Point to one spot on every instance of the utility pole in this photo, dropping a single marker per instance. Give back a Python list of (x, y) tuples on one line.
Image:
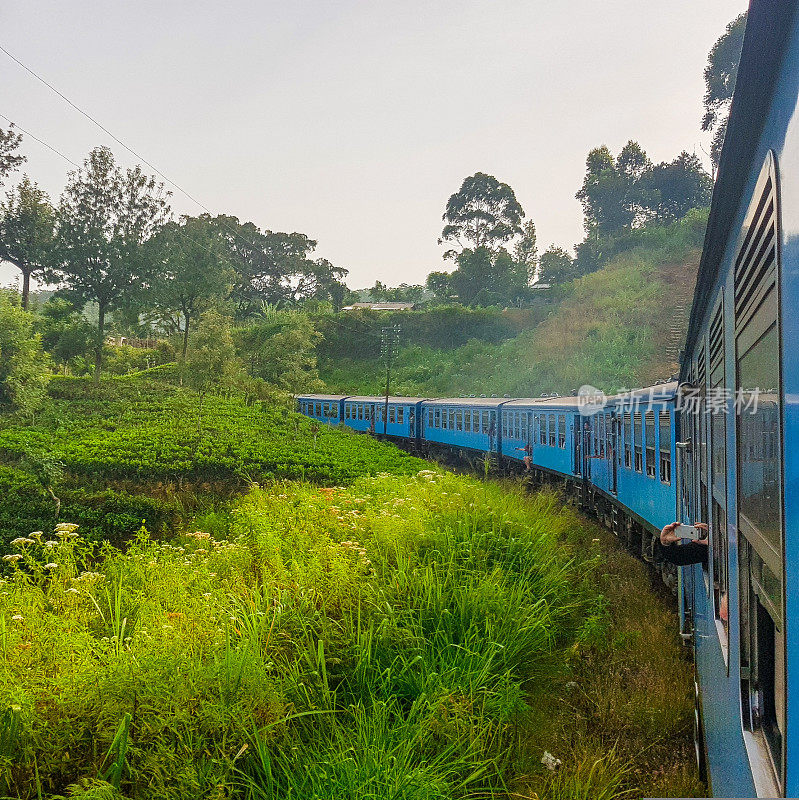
[(389, 345)]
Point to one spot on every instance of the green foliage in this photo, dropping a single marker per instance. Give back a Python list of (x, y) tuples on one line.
[(484, 212), (557, 266), (66, 335), (24, 372), (721, 73), (408, 636), (211, 364), (26, 231), (104, 217), (283, 352), (10, 159)]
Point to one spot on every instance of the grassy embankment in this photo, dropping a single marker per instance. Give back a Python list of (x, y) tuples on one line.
[(619, 327), (395, 633)]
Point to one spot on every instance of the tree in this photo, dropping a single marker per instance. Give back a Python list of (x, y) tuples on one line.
[(439, 284), (557, 266), (525, 251), (211, 363), (677, 187), (10, 160), (285, 355), (486, 278), (24, 367), (721, 73), (104, 217), (613, 194), (275, 267), (484, 213), (194, 269), (26, 231), (66, 335)]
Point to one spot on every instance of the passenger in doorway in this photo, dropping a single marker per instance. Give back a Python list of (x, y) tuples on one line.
[(688, 552), (527, 460)]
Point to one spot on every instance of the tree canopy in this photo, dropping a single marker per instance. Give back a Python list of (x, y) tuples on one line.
[(104, 217), (26, 231), (721, 73), (483, 213), (10, 159)]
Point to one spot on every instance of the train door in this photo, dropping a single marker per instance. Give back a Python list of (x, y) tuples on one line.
[(577, 442), (588, 426)]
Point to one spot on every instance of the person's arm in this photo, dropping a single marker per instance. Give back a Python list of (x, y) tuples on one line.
[(690, 553)]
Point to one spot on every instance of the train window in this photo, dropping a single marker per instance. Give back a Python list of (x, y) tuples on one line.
[(451, 421), (459, 420), (759, 462), (600, 436), (609, 436), (334, 410), (484, 421), (400, 415), (561, 430), (665, 446), (638, 426), (628, 440), (436, 417), (392, 414), (542, 428), (649, 420), (553, 435)]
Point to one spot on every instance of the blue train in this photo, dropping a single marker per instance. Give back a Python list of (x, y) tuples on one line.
[(713, 446)]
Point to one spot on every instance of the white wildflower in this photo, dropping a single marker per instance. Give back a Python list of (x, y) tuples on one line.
[(18, 618), (72, 590), (37, 535), (21, 540), (550, 762), (13, 558), (51, 565)]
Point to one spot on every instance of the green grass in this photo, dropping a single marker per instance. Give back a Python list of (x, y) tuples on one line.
[(404, 637)]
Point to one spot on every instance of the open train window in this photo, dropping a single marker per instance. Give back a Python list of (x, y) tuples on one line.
[(542, 428), (759, 460), (638, 426), (553, 440), (561, 430), (664, 445)]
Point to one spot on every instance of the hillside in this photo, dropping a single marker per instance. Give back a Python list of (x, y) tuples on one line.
[(621, 326)]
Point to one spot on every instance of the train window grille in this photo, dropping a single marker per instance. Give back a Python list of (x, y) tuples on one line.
[(601, 436), (638, 425), (392, 414), (609, 437), (665, 446), (542, 429), (451, 420), (553, 435), (459, 420), (437, 418), (334, 411), (759, 471), (484, 421), (628, 440), (561, 430), (401, 415)]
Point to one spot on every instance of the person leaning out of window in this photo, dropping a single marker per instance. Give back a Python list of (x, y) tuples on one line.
[(686, 553)]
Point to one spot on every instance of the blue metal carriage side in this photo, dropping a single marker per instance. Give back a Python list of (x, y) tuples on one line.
[(472, 423), (738, 472)]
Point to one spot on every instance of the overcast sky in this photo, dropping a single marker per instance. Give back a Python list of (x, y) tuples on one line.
[(353, 121)]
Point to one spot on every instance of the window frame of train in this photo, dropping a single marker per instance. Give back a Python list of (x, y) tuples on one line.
[(638, 440), (717, 465), (627, 433), (542, 429), (761, 548), (562, 431), (649, 442), (664, 445), (553, 435)]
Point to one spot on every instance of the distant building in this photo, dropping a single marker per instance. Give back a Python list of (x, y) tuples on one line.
[(380, 306)]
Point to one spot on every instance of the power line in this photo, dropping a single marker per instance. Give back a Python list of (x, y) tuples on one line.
[(40, 141), (103, 128)]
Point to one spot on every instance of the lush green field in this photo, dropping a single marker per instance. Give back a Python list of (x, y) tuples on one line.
[(134, 449), (416, 636)]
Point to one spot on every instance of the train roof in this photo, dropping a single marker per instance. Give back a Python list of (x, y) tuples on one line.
[(766, 39), (320, 396), (392, 399), (486, 402)]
